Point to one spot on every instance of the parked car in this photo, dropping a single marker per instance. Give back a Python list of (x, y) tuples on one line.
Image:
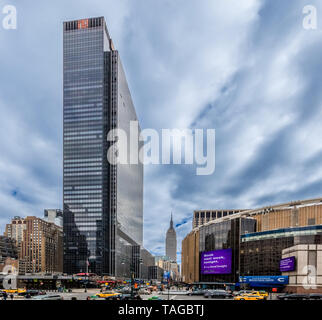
[(48, 297), (197, 292), (293, 296), (31, 293), (219, 294), (315, 296), (129, 297), (144, 291), (208, 293), (124, 290)]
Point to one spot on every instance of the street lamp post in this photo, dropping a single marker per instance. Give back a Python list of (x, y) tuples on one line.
[(169, 279), (132, 281)]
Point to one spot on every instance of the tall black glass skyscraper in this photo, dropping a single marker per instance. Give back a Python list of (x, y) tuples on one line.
[(103, 203)]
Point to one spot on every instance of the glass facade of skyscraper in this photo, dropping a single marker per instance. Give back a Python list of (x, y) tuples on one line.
[(96, 201), (225, 235)]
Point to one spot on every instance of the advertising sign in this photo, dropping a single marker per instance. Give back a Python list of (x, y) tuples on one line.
[(166, 275), (263, 280), (82, 24), (287, 264), (216, 262)]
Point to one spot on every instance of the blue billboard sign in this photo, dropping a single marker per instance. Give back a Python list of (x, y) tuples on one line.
[(264, 280), (166, 275)]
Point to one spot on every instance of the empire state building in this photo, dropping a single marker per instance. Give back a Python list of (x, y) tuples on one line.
[(171, 242)]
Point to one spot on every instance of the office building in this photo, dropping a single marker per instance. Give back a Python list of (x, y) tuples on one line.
[(157, 259), (41, 247), (156, 273), (8, 251), (168, 265), (141, 260), (147, 261), (15, 229), (54, 216), (103, 201), (171, 242)]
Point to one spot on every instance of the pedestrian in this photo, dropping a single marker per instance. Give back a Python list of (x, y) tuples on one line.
[(5, 295), (11, 296)]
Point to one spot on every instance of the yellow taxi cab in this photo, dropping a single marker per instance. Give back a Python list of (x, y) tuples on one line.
[(248, 296), (21, 291), (10, 290), (14, 290), (108, 294), (261, 293)]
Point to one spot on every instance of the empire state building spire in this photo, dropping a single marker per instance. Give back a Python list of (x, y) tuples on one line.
[(171, 242)]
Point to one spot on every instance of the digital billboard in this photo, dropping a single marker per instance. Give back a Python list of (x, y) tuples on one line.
[(216, 262), (287, 264)]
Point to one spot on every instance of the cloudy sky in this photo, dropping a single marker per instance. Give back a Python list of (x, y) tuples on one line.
[(245, 68)]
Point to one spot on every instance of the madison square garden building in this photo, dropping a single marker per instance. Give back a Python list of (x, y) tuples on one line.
[(103, 203), (272, 247)]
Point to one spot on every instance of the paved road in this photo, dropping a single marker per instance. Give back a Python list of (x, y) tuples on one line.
[(80, 294)]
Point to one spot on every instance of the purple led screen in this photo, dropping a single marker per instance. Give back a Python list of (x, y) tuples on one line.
[(287, 264), (216, 262)]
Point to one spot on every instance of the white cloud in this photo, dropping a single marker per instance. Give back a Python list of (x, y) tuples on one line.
[(243, 67)]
